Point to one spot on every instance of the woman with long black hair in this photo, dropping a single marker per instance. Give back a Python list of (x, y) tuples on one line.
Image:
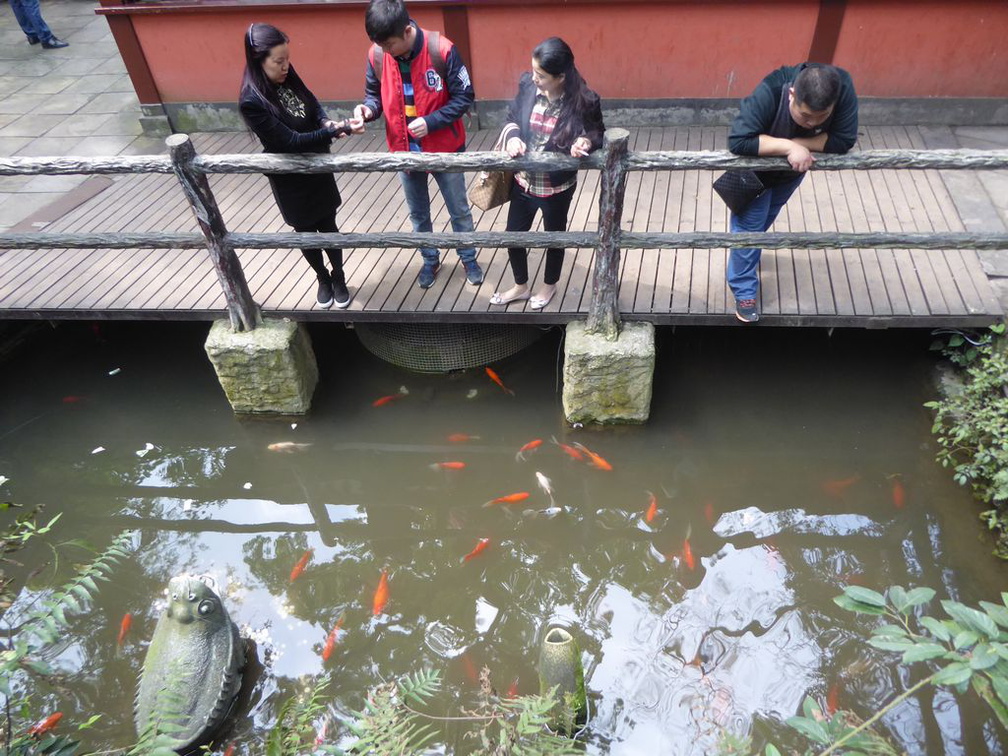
[(287, 118), (554, 111)]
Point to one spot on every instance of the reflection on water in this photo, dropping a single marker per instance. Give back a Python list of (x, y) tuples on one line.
[(774, 458)]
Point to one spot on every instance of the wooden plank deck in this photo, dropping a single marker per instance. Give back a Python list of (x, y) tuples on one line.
[(851, 287)]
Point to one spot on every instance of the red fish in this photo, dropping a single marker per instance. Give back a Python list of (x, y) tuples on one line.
[(708, 511), (898, 493), (229, 751), (595, 459), (509, 499), (383, 400), (461, 438), (470, 668), (124, 627), (687, 555), (45, 725), (652, 509), (832, 700), (448, 466), (72, 399), (513, 689), (301, 564), (496, 379), (530, 446), (570, 451), (477, 550), (837, 488), (380, 595), (330, 643)]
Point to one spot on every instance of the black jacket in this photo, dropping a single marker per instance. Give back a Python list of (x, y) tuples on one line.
[(589, 124), (303, 198)]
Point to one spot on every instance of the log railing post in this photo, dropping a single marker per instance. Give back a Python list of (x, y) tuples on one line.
[(242, 310), (603, 313)]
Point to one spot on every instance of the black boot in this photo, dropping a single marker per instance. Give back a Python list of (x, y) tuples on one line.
[(325, 291), (340, 291)]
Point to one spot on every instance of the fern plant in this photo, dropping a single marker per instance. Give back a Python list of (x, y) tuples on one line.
[(294, 729)]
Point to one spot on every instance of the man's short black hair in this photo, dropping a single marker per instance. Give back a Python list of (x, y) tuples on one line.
[(817, 87), (385, 19)]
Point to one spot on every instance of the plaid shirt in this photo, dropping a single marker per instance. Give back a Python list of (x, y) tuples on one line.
[(541, 125)]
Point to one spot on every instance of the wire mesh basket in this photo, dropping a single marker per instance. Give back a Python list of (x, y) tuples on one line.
[(444, 347)]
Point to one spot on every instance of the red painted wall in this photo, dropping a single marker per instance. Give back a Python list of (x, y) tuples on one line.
[(627, 49)]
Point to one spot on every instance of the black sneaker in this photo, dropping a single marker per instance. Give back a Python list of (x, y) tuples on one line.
[(33, 40), (427, 274), (325, 292), (746, 310), (54, 43), (474, 273), (340, 293)]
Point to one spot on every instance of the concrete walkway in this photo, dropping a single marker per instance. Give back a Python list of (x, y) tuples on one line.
[(73, 101)]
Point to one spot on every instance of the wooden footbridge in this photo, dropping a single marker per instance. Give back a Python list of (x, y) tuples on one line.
[(883, 247)]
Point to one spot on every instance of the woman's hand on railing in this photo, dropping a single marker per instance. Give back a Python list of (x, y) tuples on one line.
[(581, 147), (515, 147)]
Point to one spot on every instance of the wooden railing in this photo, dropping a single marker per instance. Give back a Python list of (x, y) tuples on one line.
[(614, 161)]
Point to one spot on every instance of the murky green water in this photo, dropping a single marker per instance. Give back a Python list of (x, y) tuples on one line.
[(774, 452)]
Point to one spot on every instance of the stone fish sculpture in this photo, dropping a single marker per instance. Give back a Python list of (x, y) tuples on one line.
[(193, 670)]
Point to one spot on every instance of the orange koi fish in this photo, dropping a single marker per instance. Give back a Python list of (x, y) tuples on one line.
[(448, 466), (230, 750), (479, 549), (330, 643), (380, 595), (383, 400), (832, 700), (570, 451), (509, 499), (530, 446), (898, 492), (496, 379), (652, 509), (301, 564), (72, 399), (837, 488), (708, 511), (513, 689), (461, 438), (596, 460), (45, 725), (124, 627), (687, 555)]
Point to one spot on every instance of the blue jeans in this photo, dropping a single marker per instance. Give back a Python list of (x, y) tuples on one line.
[(29, 17), (453, 190), (758, 216)]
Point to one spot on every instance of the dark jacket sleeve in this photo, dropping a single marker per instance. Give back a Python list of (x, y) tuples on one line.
[(372, 87), (460, 94), (513, 126), (277, 136), (594, 128), (756, 116), (843, 130)]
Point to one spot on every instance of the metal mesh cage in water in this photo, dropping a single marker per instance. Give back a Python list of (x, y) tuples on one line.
[(443, 347)]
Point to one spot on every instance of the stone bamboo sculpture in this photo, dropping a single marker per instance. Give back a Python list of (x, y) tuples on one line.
[(193, 670), (560, 666)]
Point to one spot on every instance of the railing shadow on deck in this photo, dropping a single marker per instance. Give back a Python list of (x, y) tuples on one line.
[(614, 161)]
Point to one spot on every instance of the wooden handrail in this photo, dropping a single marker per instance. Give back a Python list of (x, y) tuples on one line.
[(614, 161)]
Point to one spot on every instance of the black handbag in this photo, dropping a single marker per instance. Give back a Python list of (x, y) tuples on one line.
[(738, 189)]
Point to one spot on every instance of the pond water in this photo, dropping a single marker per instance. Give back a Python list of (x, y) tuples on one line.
[(775, 453)]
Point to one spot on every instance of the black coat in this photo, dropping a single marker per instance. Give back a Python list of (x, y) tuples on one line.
[(303, 198), (588, 124)]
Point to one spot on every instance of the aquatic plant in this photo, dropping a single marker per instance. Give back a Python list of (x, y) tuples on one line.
[(966, 649), (294, 729), (971, 423)]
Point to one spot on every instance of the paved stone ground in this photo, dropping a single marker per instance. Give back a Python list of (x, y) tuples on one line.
[(73, 101)]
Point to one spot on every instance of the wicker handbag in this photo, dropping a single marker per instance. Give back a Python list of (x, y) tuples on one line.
[(738, 188), (491, 189)]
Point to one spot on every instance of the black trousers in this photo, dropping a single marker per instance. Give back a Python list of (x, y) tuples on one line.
[(314, 256), (521, 213)]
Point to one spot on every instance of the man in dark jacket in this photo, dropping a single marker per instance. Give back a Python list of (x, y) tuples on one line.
[(417, 78), (794, 112)]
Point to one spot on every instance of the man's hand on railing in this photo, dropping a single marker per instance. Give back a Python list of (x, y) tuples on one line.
[(361, 115)]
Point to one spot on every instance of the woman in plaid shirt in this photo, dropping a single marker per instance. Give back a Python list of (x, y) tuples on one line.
[(554, 111)]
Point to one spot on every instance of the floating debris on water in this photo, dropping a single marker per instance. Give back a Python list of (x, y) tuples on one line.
[(247, 486), (471, 394), (147, 448)]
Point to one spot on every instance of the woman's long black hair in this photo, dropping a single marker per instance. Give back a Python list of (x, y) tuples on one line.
[(555, 57), (259, 40)]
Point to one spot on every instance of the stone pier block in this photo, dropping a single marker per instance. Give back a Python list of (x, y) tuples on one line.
[(269, 370), (605, 381)]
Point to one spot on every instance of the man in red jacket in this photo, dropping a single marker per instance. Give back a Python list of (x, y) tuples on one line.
[(417, 79)]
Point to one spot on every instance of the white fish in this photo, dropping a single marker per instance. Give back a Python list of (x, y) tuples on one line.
[(293, 426), (545, 485), (114, 371), (98, 450), (471, 394), (287, 447), (247, 486), (143, 452), (3, 479)]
